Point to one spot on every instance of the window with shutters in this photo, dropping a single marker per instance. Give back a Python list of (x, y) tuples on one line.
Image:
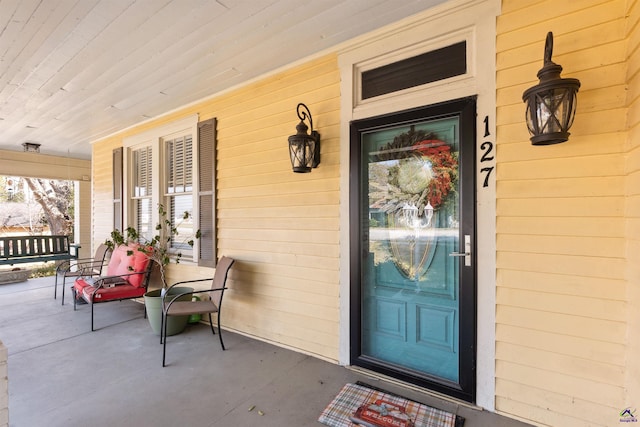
[(173, 165)]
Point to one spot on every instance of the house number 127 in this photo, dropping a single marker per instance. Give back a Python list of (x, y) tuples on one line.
[(487, 153)]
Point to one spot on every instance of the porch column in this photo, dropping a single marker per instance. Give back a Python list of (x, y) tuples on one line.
[(4, 386), (82, 219)]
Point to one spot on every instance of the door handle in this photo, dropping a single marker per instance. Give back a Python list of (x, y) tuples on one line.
[(467, 251)]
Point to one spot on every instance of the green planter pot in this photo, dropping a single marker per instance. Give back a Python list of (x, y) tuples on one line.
[(153, 305)]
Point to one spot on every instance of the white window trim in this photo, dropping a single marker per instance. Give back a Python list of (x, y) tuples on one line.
[(362, 106), (155, 138)]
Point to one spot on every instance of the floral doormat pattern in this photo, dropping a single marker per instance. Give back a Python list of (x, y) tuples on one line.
[(361, 405)]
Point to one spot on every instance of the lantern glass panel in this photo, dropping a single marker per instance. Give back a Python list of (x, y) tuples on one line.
[(531, 119), (309, 149), (571, 108), (550, 111), (554, 111), (301, 151)]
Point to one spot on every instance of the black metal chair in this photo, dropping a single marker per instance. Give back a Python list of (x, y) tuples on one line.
[(171, 306), (81, 267)]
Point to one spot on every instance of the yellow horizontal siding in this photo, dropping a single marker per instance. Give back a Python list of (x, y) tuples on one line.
[(285, 225), (529, 401), (561, 324), (564, 226), (561, 220), (276, 200), (633, 167), (562, 264), (553, 415), (102, 207), (283, 228), (280, 237), (568, 344), (517, 14), (592, 144), (599, 166), (594, 287), (604, 40), (587, 186), (299, 248), (563, 245), (578, 385), (305, 184), (603, 206), (596, 371), (20, 163), (280, 212), (294, 302), (573, 305), (632, 210)]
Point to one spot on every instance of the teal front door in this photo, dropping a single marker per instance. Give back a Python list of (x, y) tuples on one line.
[(413, 233)]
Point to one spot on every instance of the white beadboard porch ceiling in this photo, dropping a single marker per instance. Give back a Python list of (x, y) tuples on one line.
[(73, 71)]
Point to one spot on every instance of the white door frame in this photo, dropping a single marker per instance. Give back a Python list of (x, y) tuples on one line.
[(450, 22)]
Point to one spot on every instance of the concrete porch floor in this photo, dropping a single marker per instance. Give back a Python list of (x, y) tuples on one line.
[(62, 374)]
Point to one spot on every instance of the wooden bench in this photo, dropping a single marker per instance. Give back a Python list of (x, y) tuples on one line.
[(23, 249)]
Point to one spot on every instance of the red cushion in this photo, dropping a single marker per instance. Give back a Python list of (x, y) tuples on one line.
[(139, 262), (79, 285), (114, 293), (120, 261), (127, 259)]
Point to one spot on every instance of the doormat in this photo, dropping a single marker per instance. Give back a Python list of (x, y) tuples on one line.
[(362, 405)]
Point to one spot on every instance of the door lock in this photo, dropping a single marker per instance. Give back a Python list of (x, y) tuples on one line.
[(467, 251)]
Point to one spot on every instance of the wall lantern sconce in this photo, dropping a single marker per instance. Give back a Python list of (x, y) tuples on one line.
[(304, 149), (31, 147), (551, 104)]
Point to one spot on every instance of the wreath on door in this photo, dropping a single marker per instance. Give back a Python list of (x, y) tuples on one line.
[(415, 169), (411, 179)]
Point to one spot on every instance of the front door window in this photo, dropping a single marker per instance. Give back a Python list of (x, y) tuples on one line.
[(414, 269)]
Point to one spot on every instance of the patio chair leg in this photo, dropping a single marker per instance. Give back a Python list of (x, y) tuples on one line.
[(75, 295), (163, 333), (63, 283), (161, 325), (92, 316), (211, 324), (219, 330), (55, 289)]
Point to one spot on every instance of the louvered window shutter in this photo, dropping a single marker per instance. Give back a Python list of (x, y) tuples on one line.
[(207, 192), (117, 189)]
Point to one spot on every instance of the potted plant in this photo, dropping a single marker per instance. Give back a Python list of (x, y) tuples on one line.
[(158, 250)]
